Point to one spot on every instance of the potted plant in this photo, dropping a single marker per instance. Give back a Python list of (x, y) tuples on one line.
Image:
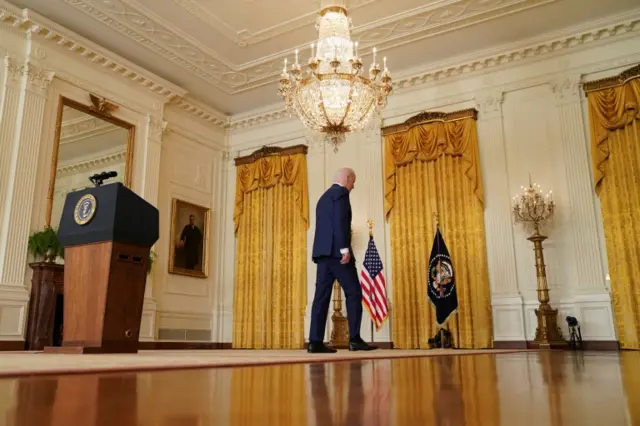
[(44, 245)]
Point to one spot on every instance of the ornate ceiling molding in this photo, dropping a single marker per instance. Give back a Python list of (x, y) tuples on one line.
[(244, 37), (146, 28), (28, 22), (527, 51)]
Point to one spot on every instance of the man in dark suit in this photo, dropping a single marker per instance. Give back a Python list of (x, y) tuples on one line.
[(190, 241), (334, 257)]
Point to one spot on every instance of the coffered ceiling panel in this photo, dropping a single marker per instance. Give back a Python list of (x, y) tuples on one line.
[(229, 53)]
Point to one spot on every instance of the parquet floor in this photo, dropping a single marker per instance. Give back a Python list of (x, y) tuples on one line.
[(533, 388)]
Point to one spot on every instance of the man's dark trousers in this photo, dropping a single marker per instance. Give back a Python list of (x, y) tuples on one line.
[(330, 269)]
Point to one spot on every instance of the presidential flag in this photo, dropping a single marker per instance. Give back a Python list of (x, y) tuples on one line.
[(441, 284), (374, 291)]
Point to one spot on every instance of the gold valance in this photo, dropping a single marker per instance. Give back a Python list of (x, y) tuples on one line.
[(269, 166), (613, 103), (426, 137)]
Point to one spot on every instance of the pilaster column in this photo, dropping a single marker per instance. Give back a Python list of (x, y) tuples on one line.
[(586, 247), (373, 179), (154, 130), (506, 301), (9, 102), (497, 208), (23, 117), (222, 327)]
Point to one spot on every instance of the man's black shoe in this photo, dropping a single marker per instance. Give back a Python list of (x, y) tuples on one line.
[(320, 348), (360, 345)]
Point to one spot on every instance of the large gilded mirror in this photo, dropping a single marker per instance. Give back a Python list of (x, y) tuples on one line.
[(88, 140)]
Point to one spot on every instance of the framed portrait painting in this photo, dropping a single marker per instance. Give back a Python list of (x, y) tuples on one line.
[(189, 250)]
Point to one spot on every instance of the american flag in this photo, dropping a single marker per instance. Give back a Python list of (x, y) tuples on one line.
[(374, 291)]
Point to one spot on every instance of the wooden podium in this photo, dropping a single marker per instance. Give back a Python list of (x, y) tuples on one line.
[(107, 233)]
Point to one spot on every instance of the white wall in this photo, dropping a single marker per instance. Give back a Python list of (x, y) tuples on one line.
[(191, 165), (42, 61), (532, 119)]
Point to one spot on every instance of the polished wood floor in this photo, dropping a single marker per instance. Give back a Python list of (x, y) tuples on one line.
[(533, 388)]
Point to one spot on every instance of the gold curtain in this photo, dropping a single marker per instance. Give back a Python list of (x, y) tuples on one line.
[(271, 218), (432, 166), (614, 120)]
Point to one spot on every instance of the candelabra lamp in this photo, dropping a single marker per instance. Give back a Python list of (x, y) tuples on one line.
[(534, 208), (340, 331)]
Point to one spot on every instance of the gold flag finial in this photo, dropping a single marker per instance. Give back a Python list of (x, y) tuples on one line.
[(436, 218), (370, 225)]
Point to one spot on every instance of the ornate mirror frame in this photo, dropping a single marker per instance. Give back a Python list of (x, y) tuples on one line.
[(99, 108)]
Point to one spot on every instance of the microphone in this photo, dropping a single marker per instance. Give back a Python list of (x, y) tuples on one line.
[(99, 178)]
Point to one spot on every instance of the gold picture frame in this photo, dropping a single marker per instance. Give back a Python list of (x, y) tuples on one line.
[(99, 108), (189, 220)]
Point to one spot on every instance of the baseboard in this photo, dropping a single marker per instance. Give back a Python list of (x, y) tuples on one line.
[(587, 345), (173, 345), (11, 345), (510, 344)]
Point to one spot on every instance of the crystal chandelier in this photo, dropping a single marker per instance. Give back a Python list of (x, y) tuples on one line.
[(333, 97), (532, 206)]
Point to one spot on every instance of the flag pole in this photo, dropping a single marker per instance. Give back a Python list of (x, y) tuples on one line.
[(436, 218), (370, 225)]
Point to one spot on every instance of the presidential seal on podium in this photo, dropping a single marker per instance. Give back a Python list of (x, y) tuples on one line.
[(85, 209)]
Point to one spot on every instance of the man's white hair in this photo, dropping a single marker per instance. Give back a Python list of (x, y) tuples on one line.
[(343, 174)]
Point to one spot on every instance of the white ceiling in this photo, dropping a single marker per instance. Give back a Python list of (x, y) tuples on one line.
[(229, 53)]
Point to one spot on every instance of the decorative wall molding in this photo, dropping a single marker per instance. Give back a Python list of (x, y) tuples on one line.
[(489, 104), (30, 24), (567, 88), (194, 137), (461, 68), (38, 78)]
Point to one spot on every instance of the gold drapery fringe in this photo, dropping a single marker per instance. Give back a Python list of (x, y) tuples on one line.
[(614, 122), (271, 218), (432, 166)]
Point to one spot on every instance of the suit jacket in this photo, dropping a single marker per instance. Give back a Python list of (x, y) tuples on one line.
[(333, 223)]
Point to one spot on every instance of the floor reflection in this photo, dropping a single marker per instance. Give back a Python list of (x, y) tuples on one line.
[(536, 388)]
